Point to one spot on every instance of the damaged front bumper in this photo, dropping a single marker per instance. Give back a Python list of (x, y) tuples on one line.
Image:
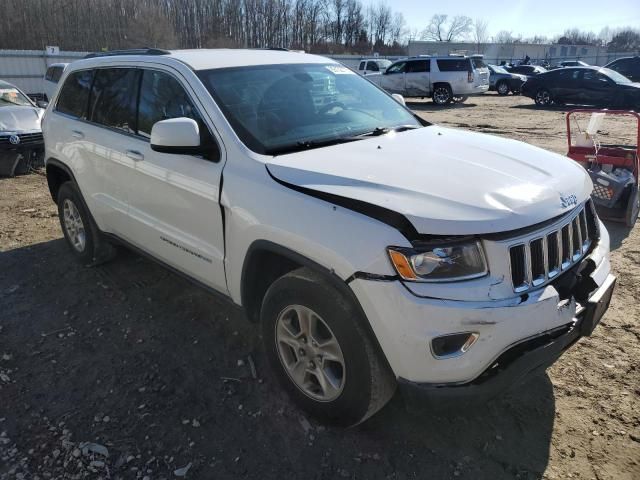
[(512, 337)]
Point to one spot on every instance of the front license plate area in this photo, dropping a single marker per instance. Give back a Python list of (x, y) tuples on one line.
[(597, 305)]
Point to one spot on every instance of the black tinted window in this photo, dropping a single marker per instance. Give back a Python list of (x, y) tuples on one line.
[(418, 66), (457, 65), (74, 96), (49, 74), (56, 74), (113, 97), (373, 66), (162, 97)]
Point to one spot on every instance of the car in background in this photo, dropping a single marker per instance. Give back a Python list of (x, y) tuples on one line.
[(446, 79), (21, 144), (373, 65), (627, 66), (51, 78), (596, 86), (572, 63), (527, 70), (504, 82)]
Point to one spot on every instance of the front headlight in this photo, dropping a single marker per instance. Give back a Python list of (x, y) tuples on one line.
[(440, 262)]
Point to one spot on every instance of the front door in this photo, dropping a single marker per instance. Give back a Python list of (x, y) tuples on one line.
[(174, 199), (416, 78), (393, 79)]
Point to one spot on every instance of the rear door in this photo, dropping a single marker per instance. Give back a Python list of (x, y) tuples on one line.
[(416, 80), (372, 67), (480, 72), (174, 199), (393, 79)]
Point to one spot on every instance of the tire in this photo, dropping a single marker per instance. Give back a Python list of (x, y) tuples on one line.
[(442, 95), (80, 231), (502, 88), (543, 97), (460, 98), (633, 207), (339, 352)]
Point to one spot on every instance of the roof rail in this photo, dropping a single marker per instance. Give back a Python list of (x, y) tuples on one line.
[(131, 51)]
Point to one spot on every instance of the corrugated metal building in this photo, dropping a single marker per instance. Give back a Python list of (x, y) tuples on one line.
[(26, 68), (512, 52)]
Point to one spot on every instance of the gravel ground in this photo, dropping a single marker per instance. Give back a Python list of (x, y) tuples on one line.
[(128, 371)]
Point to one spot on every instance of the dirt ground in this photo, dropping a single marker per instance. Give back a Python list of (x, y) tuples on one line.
[(128, 371)]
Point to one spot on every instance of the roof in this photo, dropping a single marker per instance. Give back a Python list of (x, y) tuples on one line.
[(202, 59)]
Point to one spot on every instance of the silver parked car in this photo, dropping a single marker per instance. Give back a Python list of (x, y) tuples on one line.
[(21, 143)]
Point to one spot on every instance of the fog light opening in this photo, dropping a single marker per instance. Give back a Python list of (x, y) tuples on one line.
[(453, 345)]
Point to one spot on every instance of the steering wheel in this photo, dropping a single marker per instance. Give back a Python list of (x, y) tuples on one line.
[(330, 106)]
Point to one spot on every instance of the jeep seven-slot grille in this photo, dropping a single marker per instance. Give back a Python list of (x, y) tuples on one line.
[(541, 258)]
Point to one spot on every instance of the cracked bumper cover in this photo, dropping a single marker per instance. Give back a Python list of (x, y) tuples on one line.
[(405, 325)]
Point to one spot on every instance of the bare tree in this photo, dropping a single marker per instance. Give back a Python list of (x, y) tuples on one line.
[(480, 32), (441, 29), (505, 36)]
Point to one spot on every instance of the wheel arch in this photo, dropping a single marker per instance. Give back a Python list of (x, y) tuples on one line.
[(57, 174)]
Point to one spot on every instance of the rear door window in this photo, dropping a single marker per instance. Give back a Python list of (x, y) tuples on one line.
[(74, 96), (417, 66), (372, 66), (361, 66), (113, 97), (56, 74), (454, 65)]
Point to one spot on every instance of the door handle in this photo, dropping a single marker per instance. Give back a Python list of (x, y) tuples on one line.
[(135, 155), (77, 134)]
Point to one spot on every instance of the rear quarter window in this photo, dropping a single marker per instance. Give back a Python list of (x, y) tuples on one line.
[(454, 65), (74, 95)]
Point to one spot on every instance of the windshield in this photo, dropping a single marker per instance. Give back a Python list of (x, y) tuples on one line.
[(13, 96), (497, 69), (276, 108), (384, 64), (615, 76), (478, 62)]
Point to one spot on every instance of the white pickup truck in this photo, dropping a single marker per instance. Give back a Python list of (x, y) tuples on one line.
[(446, 79), (371, 248)]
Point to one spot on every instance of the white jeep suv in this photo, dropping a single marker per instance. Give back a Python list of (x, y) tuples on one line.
[(372, 248)]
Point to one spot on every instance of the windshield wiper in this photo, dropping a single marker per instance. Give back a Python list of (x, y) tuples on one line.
[(376, 132), (309, 144)]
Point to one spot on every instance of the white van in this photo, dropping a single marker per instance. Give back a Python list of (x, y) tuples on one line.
[(372, 248), (373, 65), (52, 77)]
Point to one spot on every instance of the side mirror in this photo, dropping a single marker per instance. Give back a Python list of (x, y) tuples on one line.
[(42, 104), (176, 135), (399, 98)]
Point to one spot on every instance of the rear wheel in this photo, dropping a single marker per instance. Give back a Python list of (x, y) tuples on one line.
[(442, 95), (502, 88), (543, 97), (320, 350), (83, 237), (633, 207)]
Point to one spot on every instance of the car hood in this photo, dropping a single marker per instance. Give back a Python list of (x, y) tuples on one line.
[(444, 181), (20, 118)]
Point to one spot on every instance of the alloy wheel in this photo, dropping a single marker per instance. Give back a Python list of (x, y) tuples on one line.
[(74, 226), (310, 353)]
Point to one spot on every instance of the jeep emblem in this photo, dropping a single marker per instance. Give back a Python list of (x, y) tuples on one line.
[(14, 140), (568, 201)]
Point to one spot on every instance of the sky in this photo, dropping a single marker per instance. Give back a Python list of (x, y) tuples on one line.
[(526, 17)]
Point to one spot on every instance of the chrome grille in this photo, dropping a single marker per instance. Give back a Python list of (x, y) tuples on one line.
[(25, 139), (547, 254)]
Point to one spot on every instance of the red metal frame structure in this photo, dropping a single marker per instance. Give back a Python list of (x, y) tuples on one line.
[(618, 156)]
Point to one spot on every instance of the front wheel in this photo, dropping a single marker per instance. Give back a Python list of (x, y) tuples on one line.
[(633, 207), (320, 350), (442, 95), (543, 97), (502, 88)]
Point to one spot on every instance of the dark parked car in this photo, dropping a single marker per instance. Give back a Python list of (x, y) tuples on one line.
[(21, 143), (628, 66), (583, 86), (528, 70), (504, 82)]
